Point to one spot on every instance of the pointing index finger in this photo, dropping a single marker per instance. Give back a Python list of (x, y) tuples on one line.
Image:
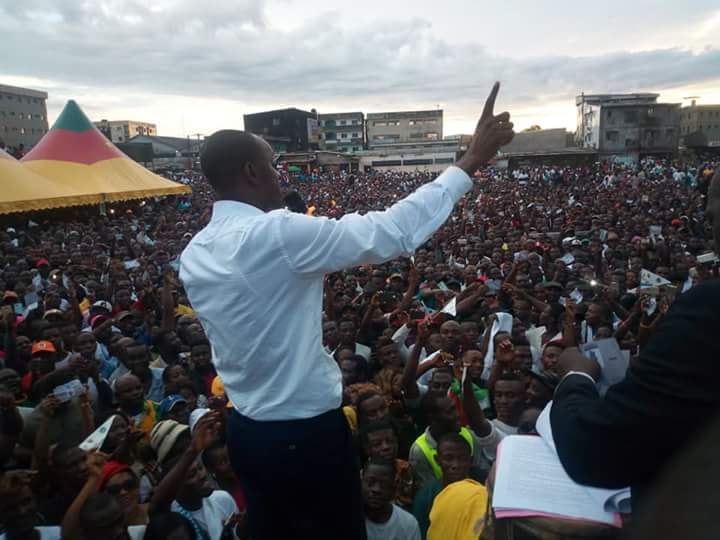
[(490, 103)]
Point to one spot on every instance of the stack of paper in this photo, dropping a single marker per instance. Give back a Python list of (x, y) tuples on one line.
[(531, 482)]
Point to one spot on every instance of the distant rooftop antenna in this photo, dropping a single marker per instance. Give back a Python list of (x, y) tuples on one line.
[(693, 98)]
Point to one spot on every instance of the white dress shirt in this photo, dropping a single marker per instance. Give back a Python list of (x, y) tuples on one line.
[(255, 280)]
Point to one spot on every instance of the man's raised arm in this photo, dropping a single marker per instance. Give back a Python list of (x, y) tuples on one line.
[(321, 245)]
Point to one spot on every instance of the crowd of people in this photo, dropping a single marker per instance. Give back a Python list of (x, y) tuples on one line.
[(112, 416)]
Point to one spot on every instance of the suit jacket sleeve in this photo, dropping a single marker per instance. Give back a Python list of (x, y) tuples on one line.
[(627, 436)]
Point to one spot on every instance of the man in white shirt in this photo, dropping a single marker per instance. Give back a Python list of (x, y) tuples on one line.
[(254, 276)]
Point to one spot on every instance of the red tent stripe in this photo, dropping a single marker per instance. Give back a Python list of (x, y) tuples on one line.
[(86, 147)]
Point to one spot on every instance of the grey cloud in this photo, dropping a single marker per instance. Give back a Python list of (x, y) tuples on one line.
[(227, 49)]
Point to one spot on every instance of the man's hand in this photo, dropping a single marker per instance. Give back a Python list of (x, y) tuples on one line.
[(505, 353), (206, 431), (491, 133), (49, 405), (95, 461), (572, 359)]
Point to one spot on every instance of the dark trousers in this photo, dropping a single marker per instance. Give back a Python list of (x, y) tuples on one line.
[(300, 477)]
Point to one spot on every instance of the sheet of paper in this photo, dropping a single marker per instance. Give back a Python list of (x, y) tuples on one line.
[(610, 500), (650, 279), (534, 336), (451, 307), (96, 439), (530, 478), (613, 362), (503, 323)]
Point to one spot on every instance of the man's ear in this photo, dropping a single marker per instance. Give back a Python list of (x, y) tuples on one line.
[(250, 172)]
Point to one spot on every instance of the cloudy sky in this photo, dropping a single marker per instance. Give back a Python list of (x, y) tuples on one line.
[(196, 66)]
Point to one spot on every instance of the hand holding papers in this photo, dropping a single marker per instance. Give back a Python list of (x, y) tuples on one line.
[(531, 481)]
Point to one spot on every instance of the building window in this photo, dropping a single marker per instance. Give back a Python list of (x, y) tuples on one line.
[(418, 162), (611, 136), (22, 131), (413, 122), (379, 124), (275, 121), (670, 132), (343, 136), (432, 136), (432, 122), (343, 122), (631, 117)]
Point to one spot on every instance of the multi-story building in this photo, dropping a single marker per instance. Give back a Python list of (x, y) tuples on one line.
[(342, 132), (627, 126), (23, 116), (404, 126), (700, 125), (121, 131), (299, 128), (431, 156)]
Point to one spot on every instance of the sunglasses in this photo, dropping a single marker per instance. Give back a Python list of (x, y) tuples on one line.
[(127, 485)]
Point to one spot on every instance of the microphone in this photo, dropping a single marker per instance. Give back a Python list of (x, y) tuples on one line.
[(295, 203)]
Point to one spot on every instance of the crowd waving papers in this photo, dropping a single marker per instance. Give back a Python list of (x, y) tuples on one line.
[(112, 417)]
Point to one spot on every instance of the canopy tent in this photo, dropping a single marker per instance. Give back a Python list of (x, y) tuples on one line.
[(22, 190), (88, 168)]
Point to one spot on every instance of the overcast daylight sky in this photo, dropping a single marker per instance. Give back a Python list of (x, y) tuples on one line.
[(197, 66)]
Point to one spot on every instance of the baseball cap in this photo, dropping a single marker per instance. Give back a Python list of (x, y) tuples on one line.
[(103, 304), (42, 262), (43, 347), (167, 404), (163, 437), (98, 320), (53, 313), (123, 315), (396, 276)]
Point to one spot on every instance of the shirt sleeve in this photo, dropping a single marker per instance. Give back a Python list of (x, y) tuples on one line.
[(315, 245)]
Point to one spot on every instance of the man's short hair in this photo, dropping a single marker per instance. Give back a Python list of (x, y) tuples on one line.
[(377, 425), (224, 154), (386, 464), (510, 377), (453, 438)]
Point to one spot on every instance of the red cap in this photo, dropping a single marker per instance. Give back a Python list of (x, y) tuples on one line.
[(42, 262), (43, 346), (110, 469), (676, 222)]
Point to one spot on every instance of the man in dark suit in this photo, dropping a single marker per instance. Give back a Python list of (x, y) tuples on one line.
[(667, 397)]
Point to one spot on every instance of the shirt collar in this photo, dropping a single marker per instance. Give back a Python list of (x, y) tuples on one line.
[(226, 208)]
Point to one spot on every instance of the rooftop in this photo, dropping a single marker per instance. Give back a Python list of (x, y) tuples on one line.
[(404, 114), (338, 115), (20, 91), (104, 121), (597, 99), (275, 111)]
